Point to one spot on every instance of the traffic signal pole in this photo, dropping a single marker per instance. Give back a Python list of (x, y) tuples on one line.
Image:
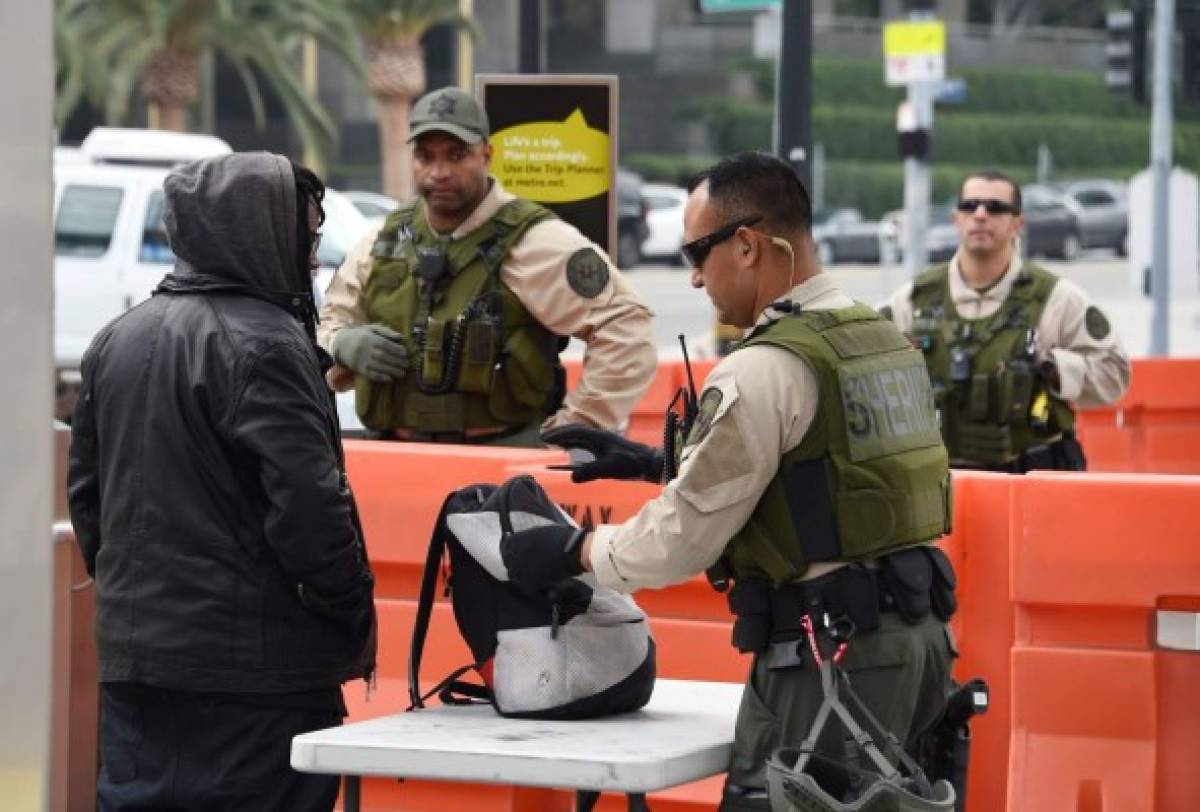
[(918, 183), (530, 48), (793, 89), (1160, 165)]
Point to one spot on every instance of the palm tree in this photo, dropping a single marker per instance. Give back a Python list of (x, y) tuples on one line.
[(392, 30), (110, 47)]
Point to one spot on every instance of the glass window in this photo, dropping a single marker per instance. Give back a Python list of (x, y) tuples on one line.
[(154, 234), (370, 208), (660, 202), (86, 218), (1095, 198)]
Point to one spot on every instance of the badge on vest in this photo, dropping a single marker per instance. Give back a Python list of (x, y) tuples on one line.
[(587, 273)]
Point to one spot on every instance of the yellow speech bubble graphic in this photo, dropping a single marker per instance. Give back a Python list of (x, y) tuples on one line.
[(552, 161)]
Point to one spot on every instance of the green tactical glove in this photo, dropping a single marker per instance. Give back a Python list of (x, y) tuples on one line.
[(374, 351)]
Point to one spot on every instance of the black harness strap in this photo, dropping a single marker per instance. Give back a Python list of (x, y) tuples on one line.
[(437, 548)]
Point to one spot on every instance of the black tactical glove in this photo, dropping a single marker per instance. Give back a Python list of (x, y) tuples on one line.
[(375, 351), (1049, 372), (539, 558), (615, 457)]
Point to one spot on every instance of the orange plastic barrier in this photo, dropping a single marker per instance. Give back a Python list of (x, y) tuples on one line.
[(1155, 428), (1102, 718), (1056, 612), (983, 625)]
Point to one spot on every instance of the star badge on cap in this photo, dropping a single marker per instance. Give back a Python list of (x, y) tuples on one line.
[(442, 107)]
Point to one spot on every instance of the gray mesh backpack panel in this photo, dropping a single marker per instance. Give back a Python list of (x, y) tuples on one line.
[(580, 651)]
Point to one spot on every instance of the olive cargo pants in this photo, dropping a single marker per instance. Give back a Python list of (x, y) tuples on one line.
[(900, 671)]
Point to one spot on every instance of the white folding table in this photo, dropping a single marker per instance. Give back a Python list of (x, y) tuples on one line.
[(684, 733)]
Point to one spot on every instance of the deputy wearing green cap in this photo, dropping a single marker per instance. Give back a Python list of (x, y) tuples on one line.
[(449, 321)]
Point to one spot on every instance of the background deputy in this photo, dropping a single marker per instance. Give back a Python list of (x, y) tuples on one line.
[(450, 320), (1009, 345)]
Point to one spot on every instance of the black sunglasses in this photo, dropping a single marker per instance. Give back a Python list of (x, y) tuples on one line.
[(968, 205), (696, 251)]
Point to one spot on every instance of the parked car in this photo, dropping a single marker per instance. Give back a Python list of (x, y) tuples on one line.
[(1103, 212), (632, 227), (110, 247), (374, 206), (1051, 223), (664, 217), (842, 235), (941, 237)]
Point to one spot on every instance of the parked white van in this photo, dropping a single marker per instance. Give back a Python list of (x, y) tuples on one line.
[(110, 249)]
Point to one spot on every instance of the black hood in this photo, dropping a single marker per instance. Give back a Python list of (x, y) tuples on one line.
[(234, 218)]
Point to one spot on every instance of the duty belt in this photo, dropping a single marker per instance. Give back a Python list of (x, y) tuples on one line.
[(912, 583)]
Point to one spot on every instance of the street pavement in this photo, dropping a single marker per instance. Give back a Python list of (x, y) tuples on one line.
[(679, 308)]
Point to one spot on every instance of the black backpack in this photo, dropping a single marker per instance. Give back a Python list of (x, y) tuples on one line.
[(579, 652)]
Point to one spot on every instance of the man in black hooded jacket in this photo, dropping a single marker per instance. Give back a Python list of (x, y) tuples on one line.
[(209, 498)]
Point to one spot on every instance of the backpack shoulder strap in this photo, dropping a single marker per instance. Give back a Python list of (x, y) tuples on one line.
[(437, 547)]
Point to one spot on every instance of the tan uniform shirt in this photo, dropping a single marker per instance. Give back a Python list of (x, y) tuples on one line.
[(1092, 370), (768, 400), (620, 357)]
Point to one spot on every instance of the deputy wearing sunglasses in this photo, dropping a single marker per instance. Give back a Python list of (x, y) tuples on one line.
[(1010, 347), (815, 452)]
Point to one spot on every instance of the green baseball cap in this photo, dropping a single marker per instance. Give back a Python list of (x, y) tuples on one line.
[(449, 110)]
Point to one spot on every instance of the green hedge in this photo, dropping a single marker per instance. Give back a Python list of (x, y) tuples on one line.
[(871, 187), (996, 90), (876, 188), (1080, 142), (867, 134), (668, 168)]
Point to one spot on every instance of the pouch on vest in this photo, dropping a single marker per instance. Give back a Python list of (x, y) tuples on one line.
[(433, 370), (1016, 391), (750, 602), (941, 594), (985, 444), (479, 356), (585, 653), (907, 577)]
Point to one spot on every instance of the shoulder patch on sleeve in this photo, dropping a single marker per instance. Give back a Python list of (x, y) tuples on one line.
[(1096, 324), (587, 273), (710, 401)]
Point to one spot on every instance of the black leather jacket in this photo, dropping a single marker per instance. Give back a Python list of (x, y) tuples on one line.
[(207, 492)]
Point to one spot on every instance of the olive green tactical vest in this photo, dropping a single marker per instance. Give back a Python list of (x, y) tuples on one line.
[(991, 402), (478, 358), (871, 475)]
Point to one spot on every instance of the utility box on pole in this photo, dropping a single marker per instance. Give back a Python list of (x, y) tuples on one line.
[(914, 54)]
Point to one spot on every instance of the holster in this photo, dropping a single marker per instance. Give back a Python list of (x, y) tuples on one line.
[(945, 751)]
